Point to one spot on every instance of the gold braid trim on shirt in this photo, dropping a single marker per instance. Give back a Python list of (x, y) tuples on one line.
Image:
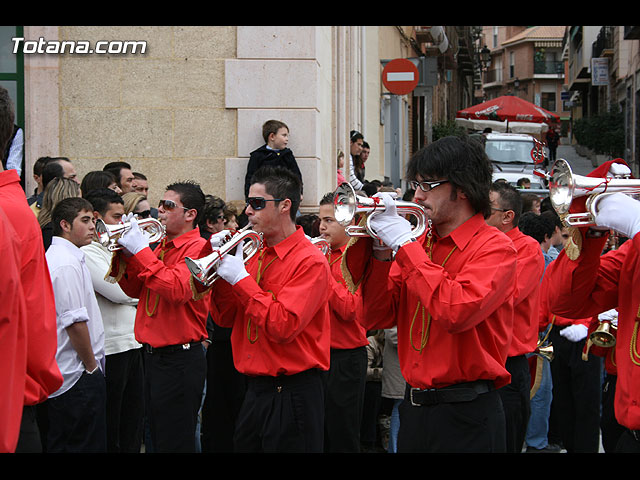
[(122, 265), (574, 244), (195, 294), (352, 285)]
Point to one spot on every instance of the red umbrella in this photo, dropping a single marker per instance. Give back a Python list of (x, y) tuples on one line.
[(509, 108)]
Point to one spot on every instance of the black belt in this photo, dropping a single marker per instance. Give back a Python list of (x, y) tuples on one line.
[(460, 392), (169, 348)]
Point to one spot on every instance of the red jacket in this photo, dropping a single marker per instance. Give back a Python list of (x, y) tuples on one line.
[(454, 321), (595, 283), (280, 318)]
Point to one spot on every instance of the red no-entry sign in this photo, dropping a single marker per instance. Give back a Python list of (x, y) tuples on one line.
[(400, 76)]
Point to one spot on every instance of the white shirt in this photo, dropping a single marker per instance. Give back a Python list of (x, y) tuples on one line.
[(118, 310), (75, 302)]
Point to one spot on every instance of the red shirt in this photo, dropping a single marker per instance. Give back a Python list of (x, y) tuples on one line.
[(345, 308), (454, 321), (167, 313), (13, 338), (43, 374), (593, 284), (526, 305), (280, 312)]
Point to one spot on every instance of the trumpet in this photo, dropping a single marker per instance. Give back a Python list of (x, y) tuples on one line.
[(346, 205), (205, 269), (565, 186), (108, 235), (545, 352), (604, 335), (322, 244)]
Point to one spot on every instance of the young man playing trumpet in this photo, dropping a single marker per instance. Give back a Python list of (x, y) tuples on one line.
[(450, 293), (348, 371), (277, 306), (589, 283), (170, 323)]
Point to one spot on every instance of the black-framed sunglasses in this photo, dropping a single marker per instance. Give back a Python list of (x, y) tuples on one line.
[(426, 186), (169, 205), (258, 203), (144, 214)]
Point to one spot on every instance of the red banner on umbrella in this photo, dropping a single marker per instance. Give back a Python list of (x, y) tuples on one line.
[(509, 108)]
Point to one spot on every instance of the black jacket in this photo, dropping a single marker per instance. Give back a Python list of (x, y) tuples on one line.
[(264, 156)]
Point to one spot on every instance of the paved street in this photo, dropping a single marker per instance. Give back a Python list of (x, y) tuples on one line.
[(580, 165)]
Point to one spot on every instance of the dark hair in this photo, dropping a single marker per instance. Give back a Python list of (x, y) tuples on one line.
[(213, 207), (528, 199), (509, 199), (53, 169), (461, 161), (97, 179), (280, 183), (140, 176), (68, 209), (7, 118), (115, 167), (327, 198), (272, 126), (536, 226), (554, 217), (102, 198), (310, 224), (355, 135), (369, 188), (39, 165), (191, 196)]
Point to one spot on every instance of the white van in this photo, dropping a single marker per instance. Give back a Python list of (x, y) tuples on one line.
[(515, 156)]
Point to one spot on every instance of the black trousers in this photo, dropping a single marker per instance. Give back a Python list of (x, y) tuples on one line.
[(125, 401), (344, 400), (29, 440), (610, 428), (174, 382), (516, 400), (576, 394), (283, 414), (474, 426), (77, 418), (226, 388)]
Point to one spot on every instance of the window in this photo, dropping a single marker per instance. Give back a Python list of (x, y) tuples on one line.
[(12, 69), (548, 101)]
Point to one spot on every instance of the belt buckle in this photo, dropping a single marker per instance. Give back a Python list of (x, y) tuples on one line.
[(411, 397), (186, 346)]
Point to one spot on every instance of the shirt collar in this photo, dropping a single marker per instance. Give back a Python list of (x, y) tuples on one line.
[(513, 233), (286, 245), (184, 238), (68, 246), (463, 234), (8, 176)]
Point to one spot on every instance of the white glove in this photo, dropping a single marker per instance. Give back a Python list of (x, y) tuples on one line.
[(134, 239), (392, 229), (618, 169), (620, 213), (127, 217), (217, 239), (575, 333), (232, 267), (609, 316)]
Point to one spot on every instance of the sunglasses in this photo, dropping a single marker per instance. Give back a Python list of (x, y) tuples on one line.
[(258, 203), (426, 186), (169, 205), (144, 214)]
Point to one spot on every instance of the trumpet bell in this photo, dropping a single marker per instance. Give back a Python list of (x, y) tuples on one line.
[(604, 335), (565, 186), (108, 235), (205, 269)]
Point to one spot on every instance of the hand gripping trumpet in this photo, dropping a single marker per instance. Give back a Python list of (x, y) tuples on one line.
[(108, 235), (346, 205), (565, 186), (205, 269)]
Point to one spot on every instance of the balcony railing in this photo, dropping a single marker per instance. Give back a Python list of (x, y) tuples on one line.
[(548, 67)]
